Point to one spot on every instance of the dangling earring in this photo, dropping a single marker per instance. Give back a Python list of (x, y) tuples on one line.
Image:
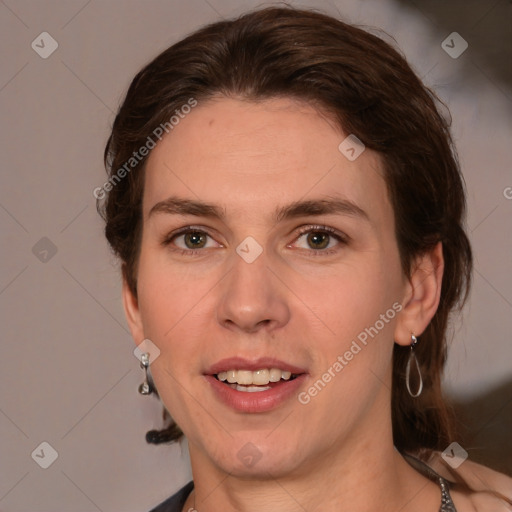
[(145, 388), (412, 356)]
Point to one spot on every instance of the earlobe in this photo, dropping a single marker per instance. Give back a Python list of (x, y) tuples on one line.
[(422, 295), (132, 312)]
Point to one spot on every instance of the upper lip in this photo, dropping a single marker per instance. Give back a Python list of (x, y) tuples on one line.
[(239, 363)]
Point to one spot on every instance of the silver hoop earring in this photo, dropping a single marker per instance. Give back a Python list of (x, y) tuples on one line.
[(145, 388), (412, 357)]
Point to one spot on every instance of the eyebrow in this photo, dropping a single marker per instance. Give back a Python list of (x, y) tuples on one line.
[(309, 208)]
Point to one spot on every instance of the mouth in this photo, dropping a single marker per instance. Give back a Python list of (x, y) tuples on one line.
[(254, 386), (255, 381)]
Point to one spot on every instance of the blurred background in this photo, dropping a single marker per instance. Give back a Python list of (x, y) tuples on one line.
[(68, 374)]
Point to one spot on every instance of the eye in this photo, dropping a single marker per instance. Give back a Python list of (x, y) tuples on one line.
[(189, 240), (192, 240), (319, 239)]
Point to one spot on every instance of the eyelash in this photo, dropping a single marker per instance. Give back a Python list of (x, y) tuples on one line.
[(341, 238), (183, 231)]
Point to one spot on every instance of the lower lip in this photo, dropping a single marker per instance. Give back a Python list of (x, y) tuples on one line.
[(258, 401)]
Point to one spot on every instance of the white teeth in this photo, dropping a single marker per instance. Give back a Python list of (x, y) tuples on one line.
[(275, 375), (258, 378), (251, 389), (244, 377)]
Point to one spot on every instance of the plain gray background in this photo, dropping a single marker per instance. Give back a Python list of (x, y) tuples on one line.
[(68, 374)]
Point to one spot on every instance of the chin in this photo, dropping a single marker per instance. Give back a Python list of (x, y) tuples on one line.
[(252, 456)]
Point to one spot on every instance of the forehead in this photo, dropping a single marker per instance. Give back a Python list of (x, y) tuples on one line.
[(245, 156)]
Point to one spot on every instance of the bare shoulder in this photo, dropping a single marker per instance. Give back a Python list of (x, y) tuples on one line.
[(476, 488)]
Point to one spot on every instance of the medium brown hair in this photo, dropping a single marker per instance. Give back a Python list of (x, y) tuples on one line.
[(368, 88)]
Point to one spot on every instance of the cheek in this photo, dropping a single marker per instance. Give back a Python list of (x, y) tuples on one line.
[(170, 305), (176, 306), (349, 299), (166, 293), (353, 341)]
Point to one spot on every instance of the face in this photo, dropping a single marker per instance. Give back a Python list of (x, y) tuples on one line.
[(267, 255)]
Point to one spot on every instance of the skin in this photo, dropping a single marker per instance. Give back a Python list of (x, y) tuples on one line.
[(296, 302)]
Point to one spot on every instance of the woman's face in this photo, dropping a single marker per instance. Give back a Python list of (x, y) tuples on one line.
[(265, 248)]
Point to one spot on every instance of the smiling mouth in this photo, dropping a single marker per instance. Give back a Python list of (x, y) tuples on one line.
[(255, 381)]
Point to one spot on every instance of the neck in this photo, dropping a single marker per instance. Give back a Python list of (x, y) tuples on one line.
[(364, 473)]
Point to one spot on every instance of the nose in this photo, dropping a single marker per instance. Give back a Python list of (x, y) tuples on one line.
[(252, 298)]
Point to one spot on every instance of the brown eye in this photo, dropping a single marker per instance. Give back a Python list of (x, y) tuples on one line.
[(190, 241), (195, 239), (318, 240)]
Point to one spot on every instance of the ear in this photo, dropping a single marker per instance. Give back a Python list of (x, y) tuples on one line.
[(422, 295), (132, 312)]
